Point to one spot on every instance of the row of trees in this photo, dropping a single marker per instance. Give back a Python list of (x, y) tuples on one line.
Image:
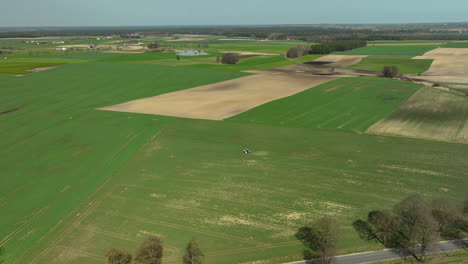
[(411, 228), (413, 225), (151, 252), (340, 45)]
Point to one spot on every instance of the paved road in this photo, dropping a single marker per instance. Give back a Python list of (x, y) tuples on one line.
[(388, 254)]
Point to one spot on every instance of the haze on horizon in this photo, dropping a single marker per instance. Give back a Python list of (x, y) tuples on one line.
[(28, 13)]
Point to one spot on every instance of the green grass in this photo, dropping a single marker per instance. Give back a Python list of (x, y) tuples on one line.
[(57, 149), (19, 66), (345, 104), (405, 41), (405, 64), (457, 45), (410, 50), (191, 179), (259, 63), (88, 56), (208, 61), (270, 47)]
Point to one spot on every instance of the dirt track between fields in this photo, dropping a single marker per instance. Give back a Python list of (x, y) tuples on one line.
[(225, 99)]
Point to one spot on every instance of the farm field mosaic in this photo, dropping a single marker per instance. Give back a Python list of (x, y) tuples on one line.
[(78, 180)]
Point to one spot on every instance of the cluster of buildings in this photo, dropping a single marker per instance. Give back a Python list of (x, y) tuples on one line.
[(44, 42), (128, 35)]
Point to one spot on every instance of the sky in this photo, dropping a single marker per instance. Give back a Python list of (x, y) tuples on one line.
[(17, 13)]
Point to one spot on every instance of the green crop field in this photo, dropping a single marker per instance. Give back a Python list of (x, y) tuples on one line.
[(405, 64), (190, 178), (56, 149), (457, 45), (259, 63), (77, 181), (19, 66), (404, 41), (270, 47), (344, 104), (400, 50)]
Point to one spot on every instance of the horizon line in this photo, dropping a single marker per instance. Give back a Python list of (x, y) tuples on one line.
[(226, 25)]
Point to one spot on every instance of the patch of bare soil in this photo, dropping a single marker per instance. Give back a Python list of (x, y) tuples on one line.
[(185, 39), (450, 65), (315, 68), (225, 99), (132, 48), (341, 60), (75, 46), (245, 53), (234, 39), (123, 51), (430, 114), (42, 69)]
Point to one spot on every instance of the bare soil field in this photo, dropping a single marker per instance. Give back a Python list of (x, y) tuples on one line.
[(430, 114), (322, 68), (75, 46), (40, 69), (225, 99), (341, 60), (445, 79), (129, 48), (123, 51), (185, 39), (240, 39), (450, 65)]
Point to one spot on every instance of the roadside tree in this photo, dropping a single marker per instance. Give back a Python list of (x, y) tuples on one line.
[(150, 251), (117, 256), (419, 229), (410, 227), (321, 239), (193, 253)]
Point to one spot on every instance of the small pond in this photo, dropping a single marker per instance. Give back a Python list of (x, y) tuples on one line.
[(191, 53)]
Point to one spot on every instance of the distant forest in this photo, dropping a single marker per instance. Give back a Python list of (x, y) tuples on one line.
[(312, 33)]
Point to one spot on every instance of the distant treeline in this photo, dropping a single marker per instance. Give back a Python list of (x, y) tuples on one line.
[(340, 45), (311, 33)]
